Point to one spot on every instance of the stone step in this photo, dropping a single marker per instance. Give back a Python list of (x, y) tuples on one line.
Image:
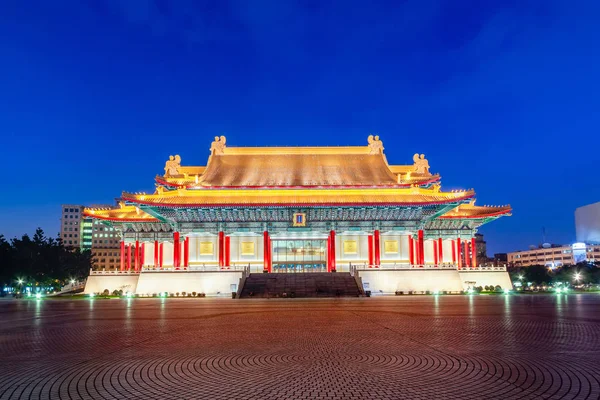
[(311, 284)]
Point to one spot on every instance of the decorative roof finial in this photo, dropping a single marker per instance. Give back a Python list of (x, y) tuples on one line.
[(172, 165), (421, 164), (218, 146), (375, 145)]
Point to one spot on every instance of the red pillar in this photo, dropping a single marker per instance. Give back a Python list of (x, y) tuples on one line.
[(377, 247), (186, 252), (266, 251), (176, 248), (453, 252), (221, 249), (128, 257), (435, 252), (142, 255), (160, 255), (440, 251), (332, 247), (467, 258), (227, 251), (122, 255), (370, 246), (421, 247), (473, 253), (136, 256), (156, 253), (458, 252), (411, 250)]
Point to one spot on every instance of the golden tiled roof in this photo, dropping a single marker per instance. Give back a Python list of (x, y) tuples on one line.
[(297, 170), (472, 211), (282, 197), (123, 213)]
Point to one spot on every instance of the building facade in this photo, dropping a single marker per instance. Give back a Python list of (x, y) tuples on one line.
[(75, 229), (555, 255), (587, 224), (297, 209)]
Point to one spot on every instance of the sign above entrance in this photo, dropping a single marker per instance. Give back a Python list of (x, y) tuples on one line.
[(299, 219)]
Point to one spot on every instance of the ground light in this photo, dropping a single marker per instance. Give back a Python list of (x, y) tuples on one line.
[(128, 294), (91, 295), (436, 292), (38, 295), (470, 291), (506, 291), (558, 290), (163, 294)]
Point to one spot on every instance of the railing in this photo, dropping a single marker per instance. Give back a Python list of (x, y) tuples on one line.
[(404, 266), (196, 268), (114, 272)]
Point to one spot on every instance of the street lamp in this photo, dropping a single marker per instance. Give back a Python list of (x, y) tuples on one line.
[(577, 277)]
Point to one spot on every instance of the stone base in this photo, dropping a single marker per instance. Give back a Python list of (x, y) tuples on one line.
[(422, 280), (212, 283)]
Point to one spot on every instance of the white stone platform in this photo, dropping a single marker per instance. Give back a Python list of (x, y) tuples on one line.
[(388, 281), (212, 283)]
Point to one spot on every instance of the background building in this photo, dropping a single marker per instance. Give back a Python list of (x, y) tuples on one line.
[(75, 229), (587, 224), (555, 255), (78, 231)]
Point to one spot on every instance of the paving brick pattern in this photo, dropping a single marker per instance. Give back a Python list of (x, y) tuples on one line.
[(416, 347)]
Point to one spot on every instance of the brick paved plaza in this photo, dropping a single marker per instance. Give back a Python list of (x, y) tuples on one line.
[(537, 346)]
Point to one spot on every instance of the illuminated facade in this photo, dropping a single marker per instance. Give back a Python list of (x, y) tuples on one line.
[(297, 209)]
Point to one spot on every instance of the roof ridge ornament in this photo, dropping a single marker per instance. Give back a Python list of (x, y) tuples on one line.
[(421, 164), (375, 145), (217, 147), (172, 165)]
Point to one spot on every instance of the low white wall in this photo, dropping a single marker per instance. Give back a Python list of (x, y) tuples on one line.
[(98, 283), (211, 283), (390, 281), (485, 278)]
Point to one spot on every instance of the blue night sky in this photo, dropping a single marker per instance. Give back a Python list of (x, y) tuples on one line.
[(501, 96)]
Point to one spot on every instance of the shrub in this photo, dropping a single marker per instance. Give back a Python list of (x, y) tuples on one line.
[(498, 288), (115, 292), (120, 293), (194, 294), (189, 295), (183, 294), (177, 294), (154, 295), (106, 292), (171, 295)]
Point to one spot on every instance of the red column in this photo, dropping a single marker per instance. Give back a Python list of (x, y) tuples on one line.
[(467, 258), (221, 249), (142, 255), (473, 253), (227, 251), (453, 252), (266, 251), (122, 255), (332, 246), (458, 253), (377, 248), (128, 257), (370, 246), (186, 252), (136, 256), (156, 253), (411, 250), (435, 252), (176, 248), (421, 247), (160, 255), (440, 251)]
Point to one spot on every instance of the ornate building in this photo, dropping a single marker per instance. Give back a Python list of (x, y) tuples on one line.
[(295, 209)]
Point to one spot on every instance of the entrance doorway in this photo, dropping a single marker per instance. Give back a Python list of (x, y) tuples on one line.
[(299, 255)]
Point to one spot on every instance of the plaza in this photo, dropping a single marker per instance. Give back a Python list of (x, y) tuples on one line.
[(402, 347)]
